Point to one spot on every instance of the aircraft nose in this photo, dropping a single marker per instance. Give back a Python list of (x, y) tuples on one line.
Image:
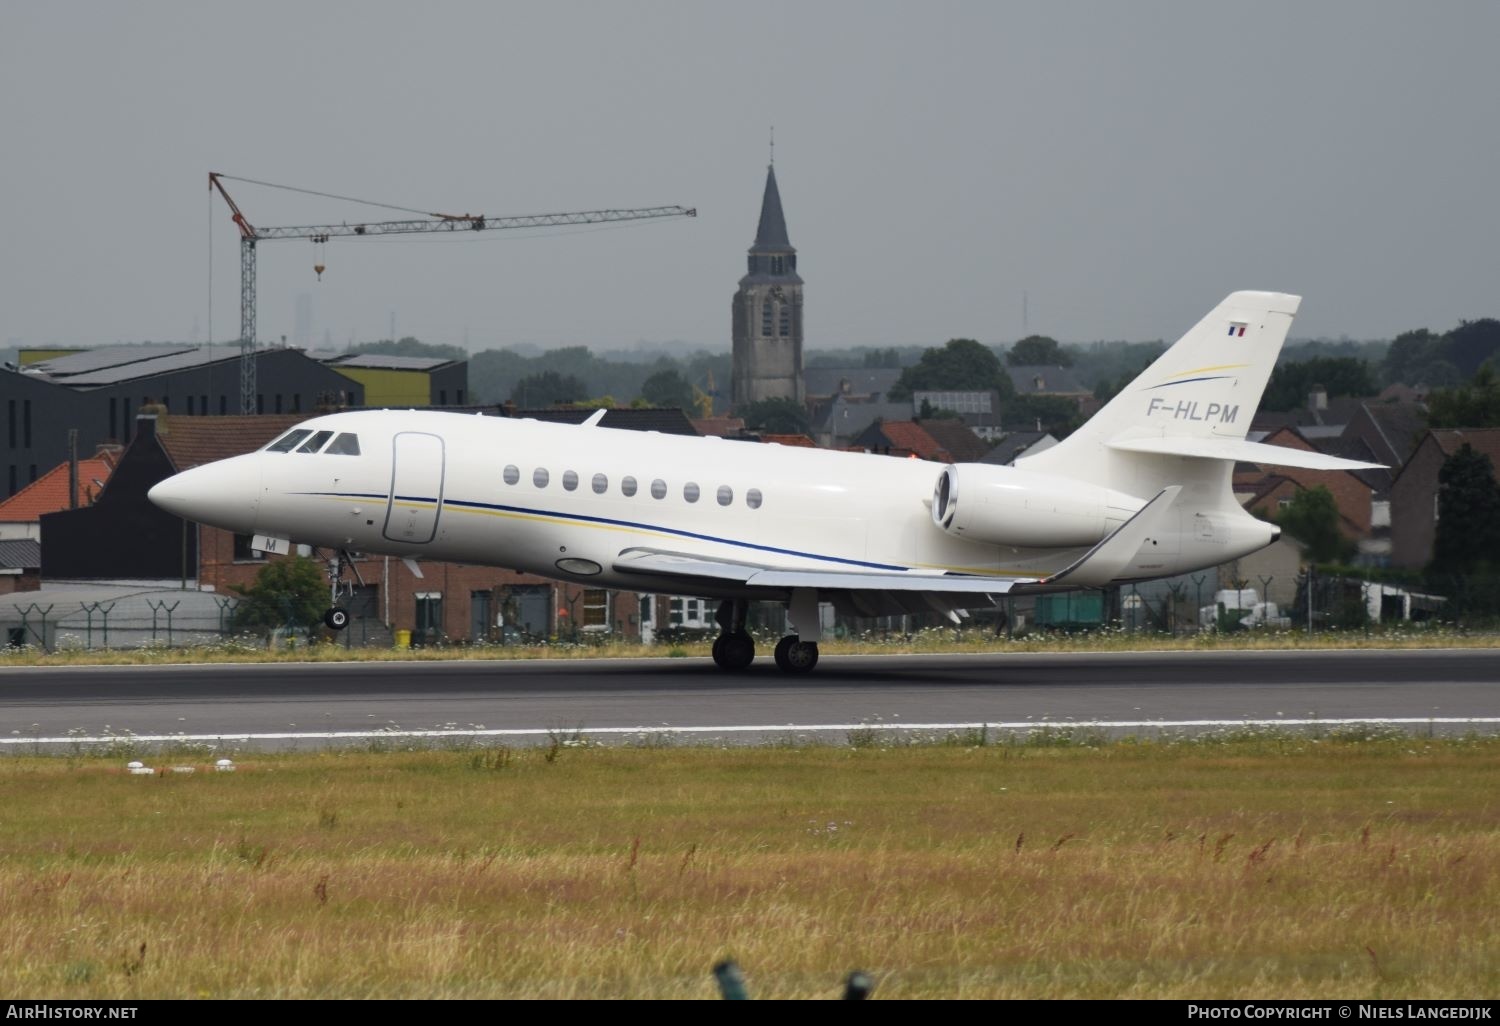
[(224, 494)]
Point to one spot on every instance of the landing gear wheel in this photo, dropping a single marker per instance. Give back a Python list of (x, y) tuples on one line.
[(796, 656), (336, 619), (734, 651)]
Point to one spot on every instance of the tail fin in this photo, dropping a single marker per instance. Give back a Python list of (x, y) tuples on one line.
[(1206, 386)]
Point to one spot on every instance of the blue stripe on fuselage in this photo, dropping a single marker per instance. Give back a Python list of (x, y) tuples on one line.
[(610, 522)]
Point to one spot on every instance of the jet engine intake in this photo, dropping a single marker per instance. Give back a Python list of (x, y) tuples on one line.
[(1024, 509)]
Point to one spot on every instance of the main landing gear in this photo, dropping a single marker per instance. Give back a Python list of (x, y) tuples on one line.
[(337, 617), (793, 655), (735, 649)]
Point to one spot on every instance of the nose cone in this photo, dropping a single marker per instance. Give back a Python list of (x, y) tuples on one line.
[(224, 494)]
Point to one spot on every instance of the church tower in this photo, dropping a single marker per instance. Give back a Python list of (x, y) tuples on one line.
[(768, 312)]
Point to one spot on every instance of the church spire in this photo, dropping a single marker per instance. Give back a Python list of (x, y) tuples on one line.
[(771, 236)]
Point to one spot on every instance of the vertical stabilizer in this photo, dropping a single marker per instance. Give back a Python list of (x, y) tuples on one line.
[(1207, 385)]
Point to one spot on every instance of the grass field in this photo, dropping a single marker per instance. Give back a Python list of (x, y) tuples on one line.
[(248, 650), (1258, 867)]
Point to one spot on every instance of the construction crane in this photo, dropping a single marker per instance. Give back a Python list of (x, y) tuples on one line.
[(427, 222)]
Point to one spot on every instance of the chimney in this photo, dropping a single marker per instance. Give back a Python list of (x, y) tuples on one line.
[(1317, 399)]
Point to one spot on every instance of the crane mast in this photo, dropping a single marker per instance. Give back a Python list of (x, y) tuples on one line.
[(250, 235)]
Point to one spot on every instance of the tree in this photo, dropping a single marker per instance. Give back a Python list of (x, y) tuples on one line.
[(548, 388), (409, 346), (669, 390), (286, 592), (1468, 523), (1291, 383), (1312, 517), (884, 358), (962, 364), (1474, 405), (1407, 359), (1471, 343), (1036, 350), (777, 416)]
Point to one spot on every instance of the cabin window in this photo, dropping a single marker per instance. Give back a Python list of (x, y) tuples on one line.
[(316, 442), (690, 492), (726, 495), (627, 486), (540, 477), (752, 498), (346, 444), (658, 489), (288, 441), (570, 480), (512, 474), (601, 484)]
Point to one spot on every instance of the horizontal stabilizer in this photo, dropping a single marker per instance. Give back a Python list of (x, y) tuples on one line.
[(1239, 450), (1104, 562)]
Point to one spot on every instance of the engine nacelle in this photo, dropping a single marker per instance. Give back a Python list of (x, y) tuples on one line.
[(1006, 506)]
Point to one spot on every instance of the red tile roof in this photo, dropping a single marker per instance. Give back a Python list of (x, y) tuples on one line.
[(909, 437), (720, 426), (1482, 440), (963, 445), (801, 441), (192, 441), (49, 493)]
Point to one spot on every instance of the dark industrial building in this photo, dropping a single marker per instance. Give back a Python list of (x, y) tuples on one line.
[(99, 392)]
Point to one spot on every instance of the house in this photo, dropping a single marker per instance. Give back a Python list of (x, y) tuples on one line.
[(20, 515), (1274, 487), (1018, 445), (1414, 493), (946, 441)]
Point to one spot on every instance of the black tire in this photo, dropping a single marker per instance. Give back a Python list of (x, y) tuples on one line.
[(734, 651), (801, 656), (782, 647), (336, 619)]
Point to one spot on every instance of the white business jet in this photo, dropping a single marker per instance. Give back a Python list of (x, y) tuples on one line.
[(1141, 491)]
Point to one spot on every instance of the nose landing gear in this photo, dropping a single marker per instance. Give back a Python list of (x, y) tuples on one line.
[(337, 617)]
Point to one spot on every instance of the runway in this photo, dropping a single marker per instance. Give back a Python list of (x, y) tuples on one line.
[(307, 705)]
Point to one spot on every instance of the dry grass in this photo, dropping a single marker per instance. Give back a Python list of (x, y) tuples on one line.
[(1253, 868), (924, 642)]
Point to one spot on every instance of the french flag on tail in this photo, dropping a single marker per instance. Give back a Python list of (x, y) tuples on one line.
[(1237, 328)]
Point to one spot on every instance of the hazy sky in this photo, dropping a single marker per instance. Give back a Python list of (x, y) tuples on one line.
[(1126, 164)]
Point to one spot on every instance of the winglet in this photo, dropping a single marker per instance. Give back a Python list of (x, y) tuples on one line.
[(594, 418), (1103, 563)]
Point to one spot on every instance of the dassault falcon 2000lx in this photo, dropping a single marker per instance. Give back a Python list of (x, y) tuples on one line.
[(1141, 491)]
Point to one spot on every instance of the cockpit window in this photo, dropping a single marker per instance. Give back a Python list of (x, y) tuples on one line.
[(346, 444), (316, 442), (288, 441)]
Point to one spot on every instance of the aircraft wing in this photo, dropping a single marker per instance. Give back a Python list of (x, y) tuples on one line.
[(1096, 568), (688, 569)]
